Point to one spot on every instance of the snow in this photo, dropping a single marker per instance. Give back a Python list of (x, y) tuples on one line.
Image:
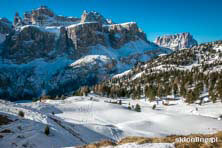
[(133, 47), (122, 24), (218, 48), (122, 74), (27, 26), (91, 59), (138, 75), (52, 29), (49, 68), (41, 69), (78, 24), (161, 122), (162, 55), (81, 120)]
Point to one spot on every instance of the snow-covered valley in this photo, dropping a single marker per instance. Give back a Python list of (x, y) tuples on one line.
[(82, 120)]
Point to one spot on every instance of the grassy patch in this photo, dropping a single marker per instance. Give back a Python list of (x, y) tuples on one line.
[(168, 139), (100, 144), (172, 139)]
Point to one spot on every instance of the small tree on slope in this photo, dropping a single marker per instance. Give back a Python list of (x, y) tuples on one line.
[(138, 108)]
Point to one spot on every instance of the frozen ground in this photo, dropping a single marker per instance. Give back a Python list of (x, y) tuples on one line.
[(81, 120)]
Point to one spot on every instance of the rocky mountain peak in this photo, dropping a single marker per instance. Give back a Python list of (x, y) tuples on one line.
[(93, 16), (18, 20), (176, 41), (43, 16), (43, 10)]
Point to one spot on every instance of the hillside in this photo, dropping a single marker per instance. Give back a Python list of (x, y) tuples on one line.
[(192, 74)]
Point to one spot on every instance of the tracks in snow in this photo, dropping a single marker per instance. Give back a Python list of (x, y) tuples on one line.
[(68, 129)]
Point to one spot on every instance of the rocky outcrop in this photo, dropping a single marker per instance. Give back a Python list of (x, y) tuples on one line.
[(177, 41), (29, 43), (120, 34), (44, 16), (18, 20), (39, 16), (93, 17), (84, 35)]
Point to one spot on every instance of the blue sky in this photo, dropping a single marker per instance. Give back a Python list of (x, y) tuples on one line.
[(202, 18)]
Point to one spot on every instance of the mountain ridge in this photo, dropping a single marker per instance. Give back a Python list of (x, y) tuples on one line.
[(176, 41), (38, 52), (192, 74)]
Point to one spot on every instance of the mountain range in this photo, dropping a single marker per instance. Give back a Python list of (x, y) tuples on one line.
[(42, 53)]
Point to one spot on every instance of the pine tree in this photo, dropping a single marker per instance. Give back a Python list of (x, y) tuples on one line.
[(150, 93), (47, 130), (190, 97), (212, 96), (154, 107), (219, 89), (175, 89), (138, 108), (120, 102)]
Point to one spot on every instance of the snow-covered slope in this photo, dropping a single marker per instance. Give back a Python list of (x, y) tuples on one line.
[(194, 70), (91, 59), (83, 120)]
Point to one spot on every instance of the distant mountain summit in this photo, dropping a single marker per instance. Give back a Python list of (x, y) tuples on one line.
[(43, 16), (176, 41)]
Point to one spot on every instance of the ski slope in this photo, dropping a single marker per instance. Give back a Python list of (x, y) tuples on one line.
[(82, 120)]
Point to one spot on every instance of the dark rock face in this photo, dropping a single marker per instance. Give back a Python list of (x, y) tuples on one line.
[(177, 41), (86, 35), (29, 43), (63, 42)]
